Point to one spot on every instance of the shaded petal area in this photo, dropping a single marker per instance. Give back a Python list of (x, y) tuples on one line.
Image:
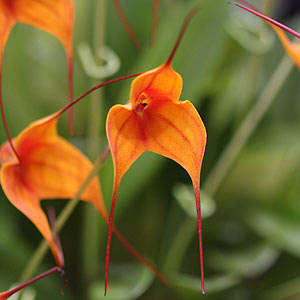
[(7, 21)]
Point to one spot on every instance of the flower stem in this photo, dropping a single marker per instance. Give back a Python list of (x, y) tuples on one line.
[(9, 293)]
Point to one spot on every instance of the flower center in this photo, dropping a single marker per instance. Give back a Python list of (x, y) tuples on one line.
[(141, 103)]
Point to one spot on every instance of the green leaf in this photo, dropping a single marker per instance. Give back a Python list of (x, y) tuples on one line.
[(250, 262), (280, 229)]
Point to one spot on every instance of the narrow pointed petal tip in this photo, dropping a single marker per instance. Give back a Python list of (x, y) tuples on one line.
[(291, 48)]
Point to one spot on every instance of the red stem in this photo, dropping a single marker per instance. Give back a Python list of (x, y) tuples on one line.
[(127, 25), (186, 22), (52, 219), (9, 293), (60, 112), (70, 88), (254, 11), (154, 23), (3, 115), (110, 226), (198, 207)]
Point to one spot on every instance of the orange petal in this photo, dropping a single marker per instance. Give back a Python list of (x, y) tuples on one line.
[(160, 82), (49, 167), (174, 130)]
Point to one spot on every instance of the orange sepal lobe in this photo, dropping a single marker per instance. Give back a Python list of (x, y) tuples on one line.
[(53, 16), (160, 82), (156, 121), (49, 167)]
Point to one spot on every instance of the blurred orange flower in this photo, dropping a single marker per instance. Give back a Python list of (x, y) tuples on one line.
[(291, 48)]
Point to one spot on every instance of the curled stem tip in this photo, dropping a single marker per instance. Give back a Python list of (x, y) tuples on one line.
[(128, 28), (186, 22), (252, 9)]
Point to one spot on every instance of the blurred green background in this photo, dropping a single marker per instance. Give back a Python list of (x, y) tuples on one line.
[(231, 62)]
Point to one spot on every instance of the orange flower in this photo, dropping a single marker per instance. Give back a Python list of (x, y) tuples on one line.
[(49, 167), (156, 120), (53, 16), (291, 48)]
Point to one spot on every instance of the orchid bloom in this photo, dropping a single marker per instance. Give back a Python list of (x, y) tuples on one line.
[(156, 120), (49, 167), (291, 48), (53, 16)]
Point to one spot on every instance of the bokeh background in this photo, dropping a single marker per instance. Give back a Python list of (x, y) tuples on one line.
[(234, 69)]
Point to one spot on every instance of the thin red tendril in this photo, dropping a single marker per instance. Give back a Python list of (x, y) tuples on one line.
[(3, 116), (186, 22), (252, 9), (70, 98), (128, 28), (60, 112), (9, 293), (52, 219)]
